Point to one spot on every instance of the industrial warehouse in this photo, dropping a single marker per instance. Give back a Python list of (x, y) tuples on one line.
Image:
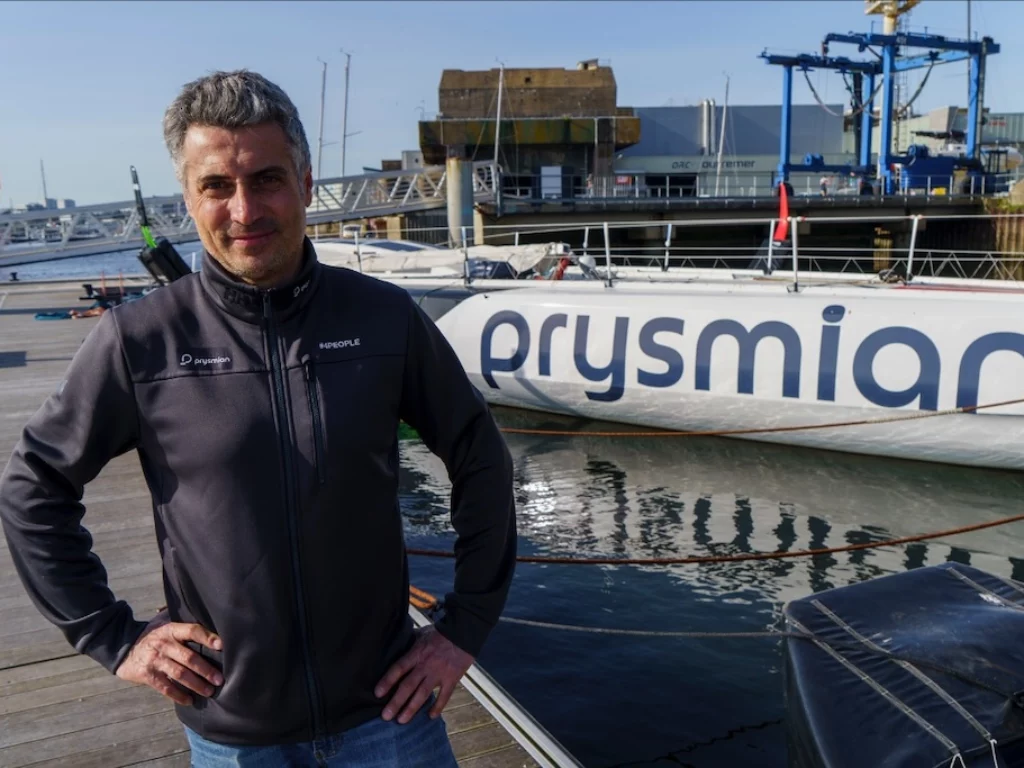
[(555, 144)]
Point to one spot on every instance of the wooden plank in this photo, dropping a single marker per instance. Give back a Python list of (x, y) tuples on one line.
[(12, 594), (512, 756), (43, 650), (94, 670), (79, 715), (130, 566), (143, 599), (460, 697), (48, 675), (82, 687), (67, 745), (44, 671), (480, 740), (129, 547), (26, 617), (162, 750), (466, 718)]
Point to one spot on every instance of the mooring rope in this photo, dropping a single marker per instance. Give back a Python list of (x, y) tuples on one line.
[(751, 556), (427, 602)]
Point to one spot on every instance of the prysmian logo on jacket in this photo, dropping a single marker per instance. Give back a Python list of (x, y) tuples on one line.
[(204, 358)]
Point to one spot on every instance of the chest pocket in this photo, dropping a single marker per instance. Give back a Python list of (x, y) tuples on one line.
[(353, 404)]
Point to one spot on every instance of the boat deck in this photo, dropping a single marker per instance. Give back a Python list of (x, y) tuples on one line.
[(60, 708)]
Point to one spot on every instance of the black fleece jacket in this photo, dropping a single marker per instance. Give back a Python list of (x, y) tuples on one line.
[(266, 424)]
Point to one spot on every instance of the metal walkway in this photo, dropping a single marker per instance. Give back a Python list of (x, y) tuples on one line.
[(87, 230)]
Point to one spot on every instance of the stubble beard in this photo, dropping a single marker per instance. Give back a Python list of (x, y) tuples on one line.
[(266, 270)]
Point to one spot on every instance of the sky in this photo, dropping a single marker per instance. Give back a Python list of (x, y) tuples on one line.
[(85, 84)]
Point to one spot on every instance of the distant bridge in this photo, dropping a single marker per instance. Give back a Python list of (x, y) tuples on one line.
[(87, 230)]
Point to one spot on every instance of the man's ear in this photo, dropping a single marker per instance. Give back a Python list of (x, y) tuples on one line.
[(307, 184)]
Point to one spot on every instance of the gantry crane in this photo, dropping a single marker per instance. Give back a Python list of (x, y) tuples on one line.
[(887, 62)]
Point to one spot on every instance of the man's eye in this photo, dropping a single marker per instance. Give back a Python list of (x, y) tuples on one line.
[(270, 179), (215, 186)]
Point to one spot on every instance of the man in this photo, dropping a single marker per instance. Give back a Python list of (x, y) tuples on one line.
[(263, 396)]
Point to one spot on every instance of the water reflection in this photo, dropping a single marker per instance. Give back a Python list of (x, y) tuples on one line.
[(667, 497), (616, 701)]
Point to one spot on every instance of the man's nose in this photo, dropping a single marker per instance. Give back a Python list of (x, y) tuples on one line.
[(244, 206)]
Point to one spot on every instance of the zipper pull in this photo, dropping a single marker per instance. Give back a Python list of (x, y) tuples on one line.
[(266, 306), (307, 368)]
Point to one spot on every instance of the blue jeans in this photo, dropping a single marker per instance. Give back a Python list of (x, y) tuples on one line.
[(420, 743)]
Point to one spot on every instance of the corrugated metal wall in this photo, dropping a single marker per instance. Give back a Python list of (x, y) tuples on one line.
[(1006, 126), (750, 130)]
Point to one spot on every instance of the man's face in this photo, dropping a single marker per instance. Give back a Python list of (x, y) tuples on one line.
[(247, 200)]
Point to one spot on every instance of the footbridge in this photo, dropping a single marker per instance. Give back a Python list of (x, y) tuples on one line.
[(44, 235)]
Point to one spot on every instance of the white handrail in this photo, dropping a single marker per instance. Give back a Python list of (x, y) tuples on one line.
[(607, 257), (796, 252), (910, 250)]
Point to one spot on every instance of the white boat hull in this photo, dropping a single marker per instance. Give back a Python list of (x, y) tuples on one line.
[(708, 358)]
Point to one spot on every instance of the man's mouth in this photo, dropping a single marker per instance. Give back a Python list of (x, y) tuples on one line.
[(252, 238)]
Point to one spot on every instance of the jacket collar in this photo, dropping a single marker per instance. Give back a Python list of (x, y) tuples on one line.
[(246, 302)]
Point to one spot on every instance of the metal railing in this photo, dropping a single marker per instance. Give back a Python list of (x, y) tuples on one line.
[(901, 257), (39, 235), (392, 192), (681, 187)]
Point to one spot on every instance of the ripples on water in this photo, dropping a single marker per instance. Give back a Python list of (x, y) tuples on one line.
[(614, 700)]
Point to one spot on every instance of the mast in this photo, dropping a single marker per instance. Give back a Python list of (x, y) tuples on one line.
[(344, 114), (320, 142), (721, 136), (323, 95), (497, 140)]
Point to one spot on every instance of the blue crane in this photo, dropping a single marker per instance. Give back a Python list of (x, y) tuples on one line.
[(887, 62)]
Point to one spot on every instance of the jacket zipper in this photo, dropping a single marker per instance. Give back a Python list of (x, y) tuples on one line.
[(278, 395), (314, 410)]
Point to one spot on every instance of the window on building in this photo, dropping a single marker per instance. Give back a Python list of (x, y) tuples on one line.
[(674, 185)]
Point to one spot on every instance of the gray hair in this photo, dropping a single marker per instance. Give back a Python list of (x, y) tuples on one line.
[(233, 100)]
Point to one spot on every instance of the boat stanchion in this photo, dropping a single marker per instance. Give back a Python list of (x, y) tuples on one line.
[(668, 244), (794, 227), (913, 244), (607, 257)]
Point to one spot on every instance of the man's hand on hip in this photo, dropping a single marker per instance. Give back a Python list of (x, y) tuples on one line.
[(161, 660), (433, 661)]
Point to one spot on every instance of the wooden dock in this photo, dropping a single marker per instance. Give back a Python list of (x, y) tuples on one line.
[(58, 708)]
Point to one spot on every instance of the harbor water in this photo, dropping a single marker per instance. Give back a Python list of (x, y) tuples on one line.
[(636, 700), (109, 265), (629, 700)]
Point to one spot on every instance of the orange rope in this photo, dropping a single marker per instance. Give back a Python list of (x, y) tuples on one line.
[(738, 558), (421, 595), (760, 430), (422, 600)]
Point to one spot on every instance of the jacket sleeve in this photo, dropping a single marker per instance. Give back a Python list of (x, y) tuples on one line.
[(455, 423), (88, 420)]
